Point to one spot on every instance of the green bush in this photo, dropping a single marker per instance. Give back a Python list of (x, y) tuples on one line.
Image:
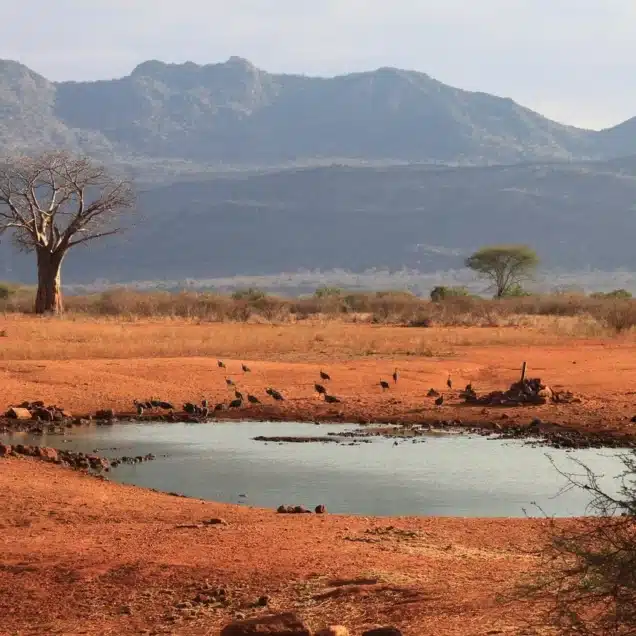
[(251, 294), (324, 291), (515, 291), (616, 293)]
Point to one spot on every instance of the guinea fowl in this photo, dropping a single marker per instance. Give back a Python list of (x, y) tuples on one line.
[(440, 400), (331, 399), (320, 389), (236, 404), (252, 399), (190, 408), (238, 395), (221, 364), (229, 382), (275, 394), (245, 368), (384, 384), (395, 376), (324, 376), (449, 383), (140, 408)]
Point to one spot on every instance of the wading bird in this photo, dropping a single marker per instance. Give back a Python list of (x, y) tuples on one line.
[(221, 364), (449, 382), (320, 389), (384, 384), (440, 400), (331, 399), (324, 376), (245, 368), (252, 399)]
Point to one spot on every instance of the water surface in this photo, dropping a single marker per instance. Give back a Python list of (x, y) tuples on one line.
[(447, 475)]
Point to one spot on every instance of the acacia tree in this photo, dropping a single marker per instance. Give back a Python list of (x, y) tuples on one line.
[(506, 266), (53, 202)]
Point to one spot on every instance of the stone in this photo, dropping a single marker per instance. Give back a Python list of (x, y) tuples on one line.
[(5, 450), (49, 454), (286, 624), (105, 414), (215, 521), (383, 631), (333, 630), (18, 413), (321, 510)]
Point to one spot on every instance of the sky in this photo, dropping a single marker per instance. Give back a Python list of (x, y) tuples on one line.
[(571, 60)]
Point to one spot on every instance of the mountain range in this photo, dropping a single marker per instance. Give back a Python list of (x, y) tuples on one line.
[(236, 114), (240, 171)]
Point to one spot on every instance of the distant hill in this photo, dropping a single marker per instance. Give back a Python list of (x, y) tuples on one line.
[(236, 114), (426, 218)]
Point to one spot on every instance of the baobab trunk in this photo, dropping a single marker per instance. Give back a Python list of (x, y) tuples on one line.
[(49, 295)]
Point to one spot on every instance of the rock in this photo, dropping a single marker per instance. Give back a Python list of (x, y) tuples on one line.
[(5, 450), (287, 624), (263, 601), (333, 630), (383, 631), (546, 392), (105, 414), (281, 510), (215, 521), (321, 510), (300, 510), (18, 413), (43, 452)]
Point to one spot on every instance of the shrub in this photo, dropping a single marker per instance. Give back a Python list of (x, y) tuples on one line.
[(327, 292), (515, 291), (442, 292), (251, 294), (618, 294)]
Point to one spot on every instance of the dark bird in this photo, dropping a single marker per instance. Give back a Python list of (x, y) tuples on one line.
[(147, 405), (252, 399), (275, 394), (395, 376), (155, 403), (469, 388), (205, 411), (245, 368), (140, 408), (432, 393), (331, 399), (221, 364), (190, 408), (219, 407), (324, 376), (238, 395), (449, 383), (440, 400), (320, 389), (204, 403), (166, 406), (236, 404), (229, 382), (384, 384)]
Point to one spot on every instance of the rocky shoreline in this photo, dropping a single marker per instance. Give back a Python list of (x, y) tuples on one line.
[(35, 418)]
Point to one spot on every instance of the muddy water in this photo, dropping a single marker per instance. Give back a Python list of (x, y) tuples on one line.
[(449, 475)]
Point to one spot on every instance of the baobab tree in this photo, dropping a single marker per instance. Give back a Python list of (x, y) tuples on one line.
[(53, 202)]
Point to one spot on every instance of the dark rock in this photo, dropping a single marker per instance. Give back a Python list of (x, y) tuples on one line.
[(263, 601), (383, 631), (321, 510), (287, 624)]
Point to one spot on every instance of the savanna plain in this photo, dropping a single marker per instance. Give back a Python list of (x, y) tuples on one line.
[(85, 555)]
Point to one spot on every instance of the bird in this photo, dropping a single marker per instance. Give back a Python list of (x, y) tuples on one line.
[(229, 381), (395, 376), (440, 400), (320, 389), (238, 395), (140, 408), (221, 364), (236, 404), (331, 399), (384, 384), (245, 368), (190, 408), (275, 394), (324, 376), (205, 411), (432, 393), (219, 407), (166, 406), (449, 383), (252, 399), (155, 403), (469, 388), (204, 403)]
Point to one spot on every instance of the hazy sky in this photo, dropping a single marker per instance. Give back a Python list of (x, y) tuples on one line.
[(572, 60)]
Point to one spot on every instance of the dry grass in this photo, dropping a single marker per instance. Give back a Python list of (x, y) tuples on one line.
[(84, 337)]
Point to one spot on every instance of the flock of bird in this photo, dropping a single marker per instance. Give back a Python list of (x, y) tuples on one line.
[(204, 409)]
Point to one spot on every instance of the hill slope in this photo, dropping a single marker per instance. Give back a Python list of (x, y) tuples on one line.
[(426, 218), (235, 113)]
